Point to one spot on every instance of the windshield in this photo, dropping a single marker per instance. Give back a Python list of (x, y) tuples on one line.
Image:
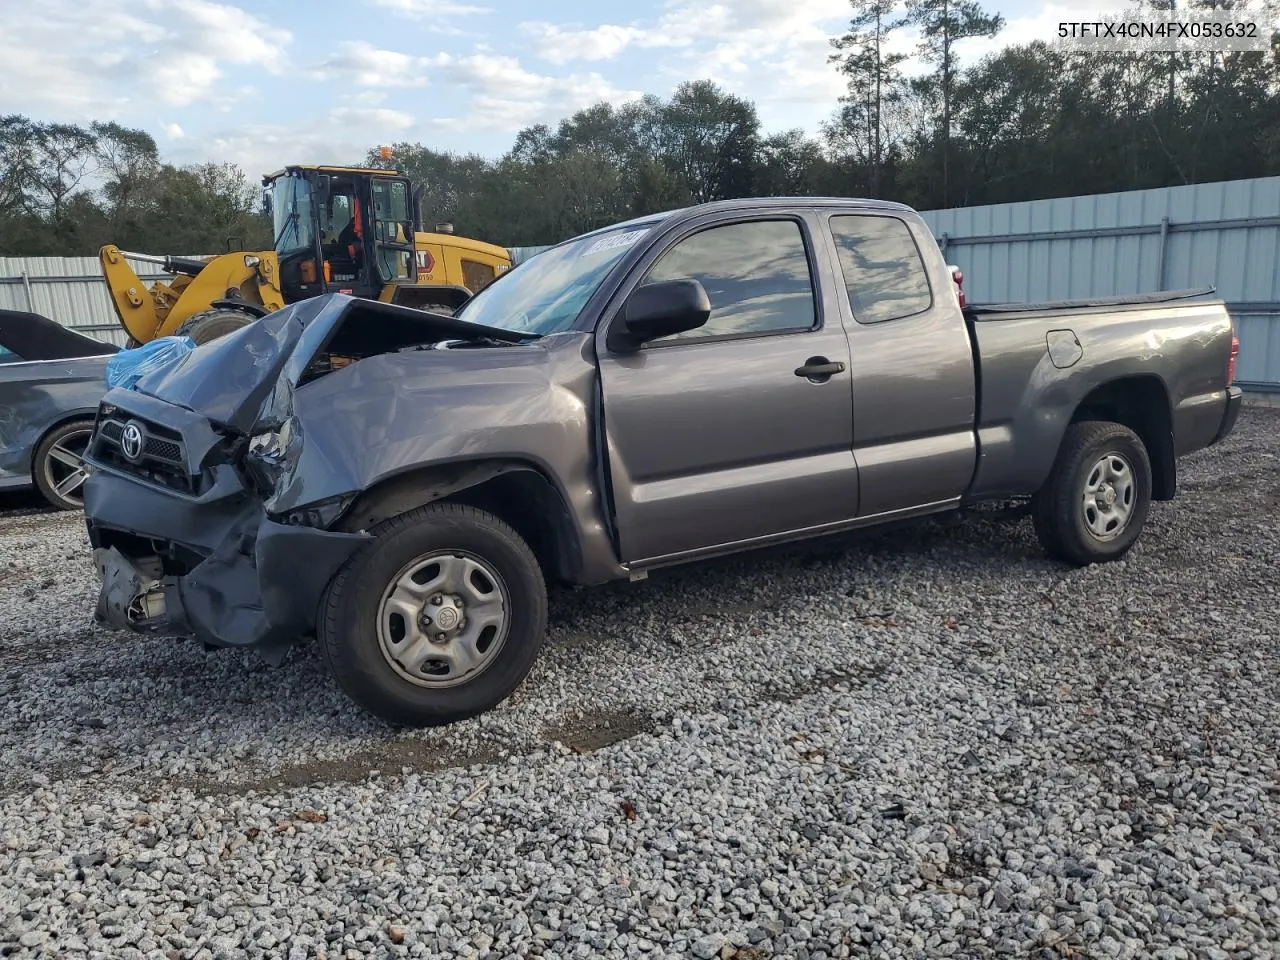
[(546, 293), (291, 214)]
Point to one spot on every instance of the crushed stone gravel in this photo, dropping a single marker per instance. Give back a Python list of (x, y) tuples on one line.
[(923, 742)]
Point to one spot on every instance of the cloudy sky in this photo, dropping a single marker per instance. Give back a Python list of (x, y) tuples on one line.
[(261, 82)]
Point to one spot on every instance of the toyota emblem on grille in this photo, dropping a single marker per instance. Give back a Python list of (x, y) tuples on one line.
[(131, 441)]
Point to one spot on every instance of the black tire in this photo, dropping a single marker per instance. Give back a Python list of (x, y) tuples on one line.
[(50, 470), (348, 624), (211, 324), (1058, 510)]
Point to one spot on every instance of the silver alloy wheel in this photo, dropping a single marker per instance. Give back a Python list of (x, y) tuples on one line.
[(443, 619), (64, 468), (1108, 500)]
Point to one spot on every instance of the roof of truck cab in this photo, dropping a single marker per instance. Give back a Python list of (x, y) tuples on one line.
[(755, 203), (320, 168)]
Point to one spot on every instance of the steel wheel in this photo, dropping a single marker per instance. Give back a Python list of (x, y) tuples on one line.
[(1108, 497), (63, 468), (443, 619)]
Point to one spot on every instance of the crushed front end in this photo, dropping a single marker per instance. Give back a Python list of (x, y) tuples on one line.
[(182, 539), (182, 536), (211, 513)]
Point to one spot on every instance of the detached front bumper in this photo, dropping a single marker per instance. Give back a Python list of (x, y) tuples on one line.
[(247, 581)]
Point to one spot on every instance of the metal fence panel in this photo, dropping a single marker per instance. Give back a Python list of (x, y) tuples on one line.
[(520, 254), (69, 290), (1225, 235)]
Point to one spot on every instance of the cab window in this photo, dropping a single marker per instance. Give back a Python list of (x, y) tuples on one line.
[(756, 275), (883, 272)]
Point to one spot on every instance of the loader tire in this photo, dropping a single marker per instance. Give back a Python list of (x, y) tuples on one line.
[(211, 324)]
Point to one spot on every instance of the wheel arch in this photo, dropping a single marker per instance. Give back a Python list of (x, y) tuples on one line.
[(519, 492), (1141, 403)]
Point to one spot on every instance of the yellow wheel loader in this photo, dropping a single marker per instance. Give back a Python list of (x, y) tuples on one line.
[(347, 230)]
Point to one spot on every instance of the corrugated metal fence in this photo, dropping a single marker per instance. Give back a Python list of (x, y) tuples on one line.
[(1224, 235), (71, 290), (67, 289)]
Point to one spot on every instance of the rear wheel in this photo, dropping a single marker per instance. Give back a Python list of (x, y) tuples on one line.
[(58, 465), (1095, 502), (439, 618), (210, 324)]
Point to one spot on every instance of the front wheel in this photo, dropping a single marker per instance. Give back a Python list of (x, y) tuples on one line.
[(438, 619), (1095, 502)]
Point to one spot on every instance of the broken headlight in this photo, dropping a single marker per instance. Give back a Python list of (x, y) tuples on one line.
[(268, 454)]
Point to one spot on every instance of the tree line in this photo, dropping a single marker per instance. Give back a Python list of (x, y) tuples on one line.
[(1027, 122)]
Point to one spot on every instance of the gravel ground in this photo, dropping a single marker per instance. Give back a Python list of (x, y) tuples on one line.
[(926, 742)]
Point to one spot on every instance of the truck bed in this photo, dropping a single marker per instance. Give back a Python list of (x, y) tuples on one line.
[(1174, 344), (1133, 301)]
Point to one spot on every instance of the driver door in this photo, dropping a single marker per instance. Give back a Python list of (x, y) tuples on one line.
[(716, 436), (393, 234)]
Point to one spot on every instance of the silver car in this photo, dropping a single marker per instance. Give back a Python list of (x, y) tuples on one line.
[(51, 379)]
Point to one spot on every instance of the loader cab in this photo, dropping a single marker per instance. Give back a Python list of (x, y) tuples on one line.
[(340, 230)]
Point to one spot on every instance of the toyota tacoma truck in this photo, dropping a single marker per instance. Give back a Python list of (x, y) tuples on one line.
[(402, 485)]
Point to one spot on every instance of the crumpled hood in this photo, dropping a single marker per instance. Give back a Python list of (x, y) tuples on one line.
[(227, 380)]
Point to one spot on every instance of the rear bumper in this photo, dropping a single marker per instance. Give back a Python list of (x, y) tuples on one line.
[(249, 581), (1235, 398)]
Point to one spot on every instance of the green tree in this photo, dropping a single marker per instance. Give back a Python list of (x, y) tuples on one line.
[(942, 24), (709, 137), (874, 78)]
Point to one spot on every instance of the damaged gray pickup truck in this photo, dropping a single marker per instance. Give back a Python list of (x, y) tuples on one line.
[(402, 485)]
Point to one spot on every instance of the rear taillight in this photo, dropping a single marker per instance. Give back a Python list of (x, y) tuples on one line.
[(1231, 361), (958, 277)]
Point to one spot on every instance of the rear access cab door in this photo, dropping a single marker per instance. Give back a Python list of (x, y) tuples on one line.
[(719, 437), (914, 382)]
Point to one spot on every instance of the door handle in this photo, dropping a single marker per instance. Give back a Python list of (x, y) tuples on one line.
[(819, 369)]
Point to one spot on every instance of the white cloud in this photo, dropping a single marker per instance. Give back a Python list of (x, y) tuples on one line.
[(775, 53), (561, 45), (429, 8), (76, 61), (343, 135), (381, 118), (498, 92), (362, 63), (506, 96), (1040, 25), (174, 132)]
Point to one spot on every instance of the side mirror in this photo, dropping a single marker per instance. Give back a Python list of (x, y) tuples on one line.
[(658, 310)]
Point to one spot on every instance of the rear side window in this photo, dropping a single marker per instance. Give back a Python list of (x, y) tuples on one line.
[(883, 272), (8, 356), (756, 276)]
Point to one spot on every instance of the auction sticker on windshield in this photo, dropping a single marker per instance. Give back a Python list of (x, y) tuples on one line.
[(615, 241)]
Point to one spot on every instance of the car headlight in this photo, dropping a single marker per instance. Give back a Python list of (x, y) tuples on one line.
[(270, 445)]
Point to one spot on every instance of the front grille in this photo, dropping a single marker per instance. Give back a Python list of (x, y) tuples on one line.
[(161, 458)]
